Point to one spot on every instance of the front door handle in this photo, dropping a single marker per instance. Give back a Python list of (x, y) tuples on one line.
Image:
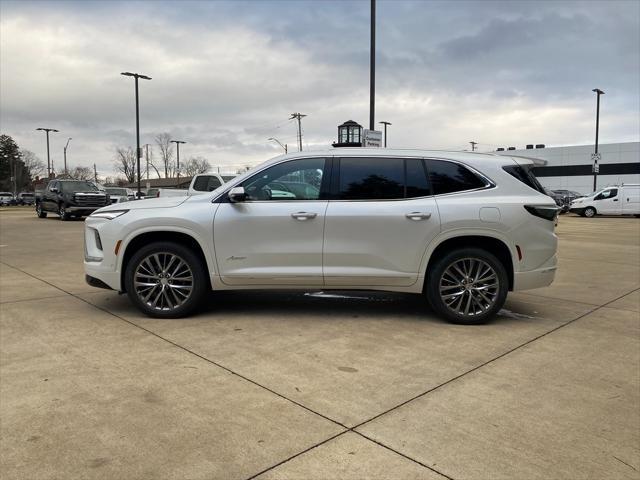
[(304, 215), (418, 216), (615, 199)]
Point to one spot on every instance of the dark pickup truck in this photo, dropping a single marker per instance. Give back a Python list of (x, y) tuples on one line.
[(70, 198)]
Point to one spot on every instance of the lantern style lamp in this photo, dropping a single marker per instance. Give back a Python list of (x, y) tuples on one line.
[(349, 135)]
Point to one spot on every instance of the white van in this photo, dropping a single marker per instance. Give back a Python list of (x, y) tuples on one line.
[(614, 200)]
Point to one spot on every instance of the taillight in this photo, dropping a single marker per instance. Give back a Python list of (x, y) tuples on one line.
[(548, 213)]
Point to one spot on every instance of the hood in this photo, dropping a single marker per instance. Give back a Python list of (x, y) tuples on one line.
[(161, 202)]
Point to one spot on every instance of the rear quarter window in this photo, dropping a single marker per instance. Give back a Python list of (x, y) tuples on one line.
[(525, 175), (450, 177)]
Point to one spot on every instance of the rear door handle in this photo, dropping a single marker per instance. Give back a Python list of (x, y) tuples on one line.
[(304, 215), (416, 216)]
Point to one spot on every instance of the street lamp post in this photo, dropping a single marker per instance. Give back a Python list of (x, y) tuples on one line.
[(47, 130), (66, 172), (372, 68), (280, 143), (595, 169), (136, 76), (385, 132), (178, 142)]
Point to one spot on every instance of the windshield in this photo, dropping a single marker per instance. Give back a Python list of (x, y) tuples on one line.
[(79, 186), (117, 191)]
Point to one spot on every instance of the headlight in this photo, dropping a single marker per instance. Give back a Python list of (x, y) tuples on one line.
[(110, 215)]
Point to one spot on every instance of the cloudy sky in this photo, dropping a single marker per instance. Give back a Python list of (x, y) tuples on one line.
[(227, 75)]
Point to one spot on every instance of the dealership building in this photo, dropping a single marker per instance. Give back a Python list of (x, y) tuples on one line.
[(571, 168)]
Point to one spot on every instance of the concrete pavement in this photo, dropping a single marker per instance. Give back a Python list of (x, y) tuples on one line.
[(291, 386)]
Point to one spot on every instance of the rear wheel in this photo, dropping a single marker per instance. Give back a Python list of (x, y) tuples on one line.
[(467, 286), (166, 280), (39, 211), (589, 212)]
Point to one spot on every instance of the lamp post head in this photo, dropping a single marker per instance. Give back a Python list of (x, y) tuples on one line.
[(136, 75), (386, 123), (598, 91)]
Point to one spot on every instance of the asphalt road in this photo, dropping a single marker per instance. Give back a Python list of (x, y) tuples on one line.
[(305, 386)]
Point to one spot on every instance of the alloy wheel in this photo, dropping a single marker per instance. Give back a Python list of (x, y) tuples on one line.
[(469, 287), (163, 281)]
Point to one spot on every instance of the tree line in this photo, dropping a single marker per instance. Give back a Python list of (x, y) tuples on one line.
[(161, 161), (19, 168)]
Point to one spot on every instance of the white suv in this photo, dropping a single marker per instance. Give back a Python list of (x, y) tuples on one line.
[(462, 229)]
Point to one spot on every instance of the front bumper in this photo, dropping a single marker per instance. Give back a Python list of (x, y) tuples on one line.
[(578, 210)]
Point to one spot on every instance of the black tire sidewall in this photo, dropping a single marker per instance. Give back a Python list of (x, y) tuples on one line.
[(200, 281), (40, 212), (432, 289), (64, 216)]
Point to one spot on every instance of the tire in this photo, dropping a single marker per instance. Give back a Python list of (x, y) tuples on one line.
[(164, 295), (453, 292), (589, 212), (39, 211), (62, 212)]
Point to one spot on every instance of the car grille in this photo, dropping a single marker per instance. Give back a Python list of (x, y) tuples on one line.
[(89, 200)]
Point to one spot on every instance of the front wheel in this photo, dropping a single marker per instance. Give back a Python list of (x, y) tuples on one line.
[(39, 211), (166, 280), (467, 286), (62, 211), (589, 212)]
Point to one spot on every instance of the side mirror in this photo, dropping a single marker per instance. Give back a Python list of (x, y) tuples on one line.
[(236, 194)]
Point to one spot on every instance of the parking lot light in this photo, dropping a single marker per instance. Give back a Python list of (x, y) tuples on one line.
[(136, 76), (47, 130)]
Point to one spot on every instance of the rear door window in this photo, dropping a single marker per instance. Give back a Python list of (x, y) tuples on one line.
[(450, 177), (379, 178)]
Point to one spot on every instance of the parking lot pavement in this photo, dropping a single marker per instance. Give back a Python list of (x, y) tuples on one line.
[(295, 385)]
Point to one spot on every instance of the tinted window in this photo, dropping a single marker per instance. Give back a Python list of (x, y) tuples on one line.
[(449, 177), (417, 185), (295, 180), (525, 175), (78, 186), (206, 183), (371, 178)]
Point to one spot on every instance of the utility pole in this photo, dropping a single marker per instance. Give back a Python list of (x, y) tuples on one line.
[(95, 173), (47, 130), (372, 65), (385, 132), (299, 117), (595, 160), (66, 172), (136, 76), (473, 146), (178, 142)]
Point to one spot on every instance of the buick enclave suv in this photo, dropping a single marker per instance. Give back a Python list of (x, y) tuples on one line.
[(462, 229)]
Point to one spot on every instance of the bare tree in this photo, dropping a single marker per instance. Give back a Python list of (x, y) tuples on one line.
[(163, 141), (81, 173), (196, 165), (125, 162), (35, 167)]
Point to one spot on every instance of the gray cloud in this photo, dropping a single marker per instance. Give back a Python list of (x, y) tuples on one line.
[(227, 75)]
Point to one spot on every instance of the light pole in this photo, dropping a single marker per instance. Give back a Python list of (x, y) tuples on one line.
[(473, 146), (47, 130), (372, 66), (136, 76), (385, 132), (279, 143), (595, 168), (66, 172), (178, 142)]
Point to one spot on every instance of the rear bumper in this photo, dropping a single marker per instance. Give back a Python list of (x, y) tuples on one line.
[(540, 277)]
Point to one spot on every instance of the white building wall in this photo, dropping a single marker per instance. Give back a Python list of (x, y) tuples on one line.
[(628, 152)]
